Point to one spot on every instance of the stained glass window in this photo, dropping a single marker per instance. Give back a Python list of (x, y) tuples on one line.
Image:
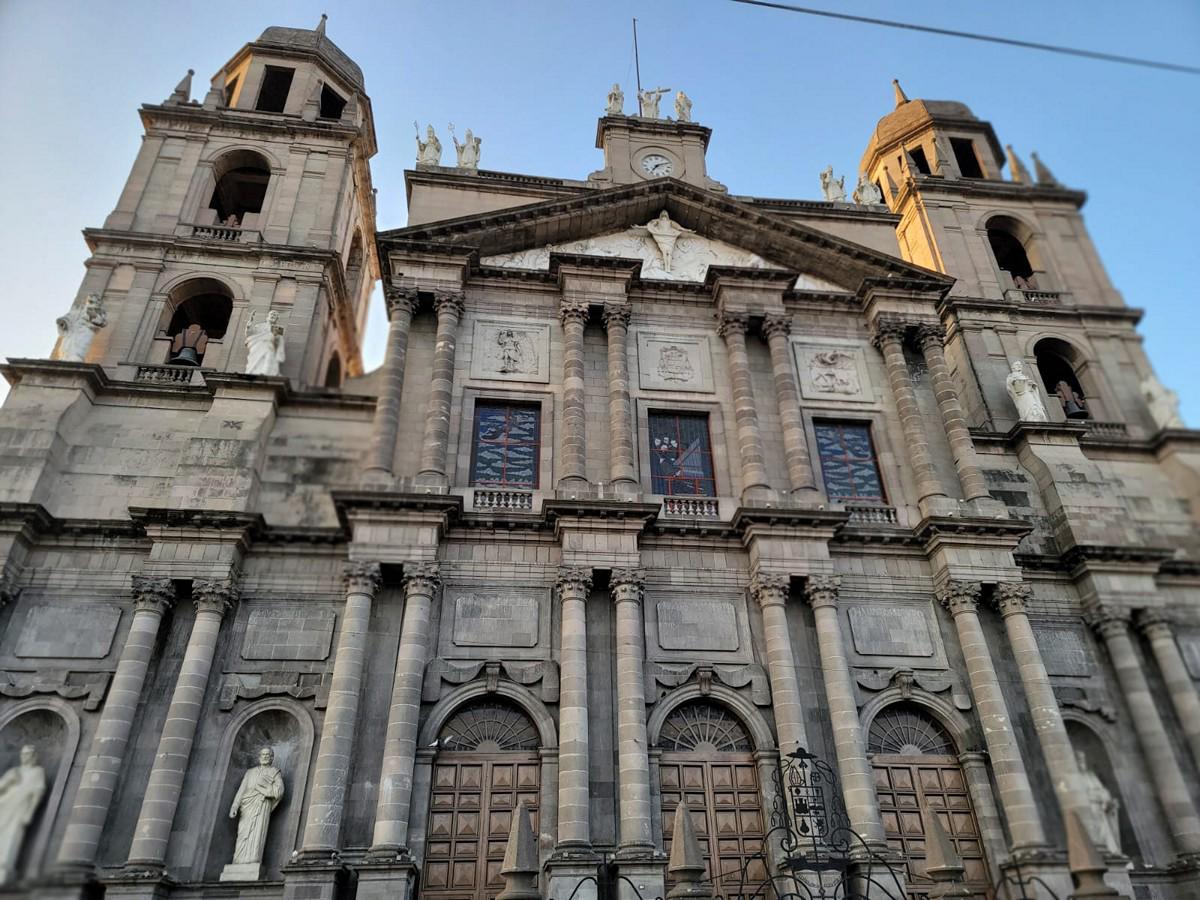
[(681, 455), (848, 462), (505, 446)]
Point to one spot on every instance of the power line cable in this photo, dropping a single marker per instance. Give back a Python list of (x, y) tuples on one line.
[(972, 36)]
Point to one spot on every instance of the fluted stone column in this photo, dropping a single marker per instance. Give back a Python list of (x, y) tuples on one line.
[(633, 761), (858, 777), (889, 338), (621, 453), (572, 463), (323, 824), (961, 598), (89, 811), (213, 599), (1112, 624), (1156, 626), (1012, 600), (795, 443), (449, 307), (401, 305), (421, 582), (574, 815), (966, 462), (771, 592), (750, 445)]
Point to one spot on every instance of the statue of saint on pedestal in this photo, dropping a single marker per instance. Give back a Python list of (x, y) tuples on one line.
[(468, 150), (834, 189), (21, 790), (616, 101), (866, 193), (648, 101), (77, 329), (429, 151), (1025, 396), (264, 345), (1163, 403), (683, 107), (1104, 823), (259, 794), (664, 233)]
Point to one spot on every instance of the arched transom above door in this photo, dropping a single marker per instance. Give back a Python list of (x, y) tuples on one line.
[(488, 728), (701, 726)]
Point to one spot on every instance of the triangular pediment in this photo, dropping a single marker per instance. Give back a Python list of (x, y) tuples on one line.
[(711, 230)]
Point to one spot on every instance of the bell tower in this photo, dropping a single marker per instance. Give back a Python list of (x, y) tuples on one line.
[(251, 204)]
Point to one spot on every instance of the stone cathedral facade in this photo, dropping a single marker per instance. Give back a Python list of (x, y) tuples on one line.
[(657, 484)]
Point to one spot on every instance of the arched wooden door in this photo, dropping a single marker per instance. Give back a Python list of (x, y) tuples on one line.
[(706, 757), (916, 768), (487, 764)]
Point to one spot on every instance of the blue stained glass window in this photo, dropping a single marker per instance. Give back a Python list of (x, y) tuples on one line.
[(848, 462), (506, 445), (681, 455)]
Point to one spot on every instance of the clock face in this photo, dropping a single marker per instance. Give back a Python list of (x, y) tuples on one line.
[(657, 166)]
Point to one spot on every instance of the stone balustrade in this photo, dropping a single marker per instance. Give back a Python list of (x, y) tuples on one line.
[(503, 500), (692, 507)]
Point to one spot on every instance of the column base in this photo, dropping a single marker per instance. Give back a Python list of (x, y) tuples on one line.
[(570, 868), (314, 876), (431, 483), (387, 881), (760, 495), (378, 479), (645, 867), (939, 505), (986, 507), (879, 873), (145, 883), (1026, 865), (625, 488), (72, 883)]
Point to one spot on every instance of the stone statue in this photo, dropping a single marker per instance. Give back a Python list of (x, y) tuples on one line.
[(77, 329), (259, 794), (1025, 395), (648, 101), (664, 233), (833, 188), (616, 101), (21, 790), (1163, 403), (429, 151), (683, 107), (866, 193), (468, 150), (1105, 821), (264, 345)]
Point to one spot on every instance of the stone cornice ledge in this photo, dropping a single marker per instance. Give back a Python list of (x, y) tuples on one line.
[(346, 501), (806, 517), (934, 528), (585, 507)]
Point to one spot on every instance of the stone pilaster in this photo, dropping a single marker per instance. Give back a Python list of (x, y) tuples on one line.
[(795, 443), (857, 775), (401, 305), (732, 329), (633, 763), (1156, 625), (213, 599), (421, 583), (931, 337), (771, 592), (574, 808), (449, 307), (622, 466), (89, 811), (961, 598), (572, 462), (1112, 624), (323, 824)]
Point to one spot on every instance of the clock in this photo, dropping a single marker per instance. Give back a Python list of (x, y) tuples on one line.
[(657, 166)]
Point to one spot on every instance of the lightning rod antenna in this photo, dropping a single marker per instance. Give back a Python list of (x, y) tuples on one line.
[(636, 64)]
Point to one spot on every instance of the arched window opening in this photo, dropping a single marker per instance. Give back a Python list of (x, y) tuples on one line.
[(201, 313), (242, 178), (1010, 254), (333, 372), (1054, 362), (332, 103)]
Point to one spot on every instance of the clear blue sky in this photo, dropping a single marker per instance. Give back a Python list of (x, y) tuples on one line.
[(784, 94)]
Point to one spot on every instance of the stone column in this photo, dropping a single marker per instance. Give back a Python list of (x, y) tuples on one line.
[(421, 582), (572, 464), (1012, 600), (1156, 626), (449, 306), (633, 760), (771, 592), (795, 443), (1112, 624), (323, 825), (401, 305), (574, 807), (961, 598), (750, 445), (970, 475), (858, 777), (622, 466), (213, 599), (889, 338), (89, 812)]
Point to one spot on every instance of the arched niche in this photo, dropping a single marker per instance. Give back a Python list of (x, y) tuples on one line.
[(287, 728), (52, 726), (1099, 752), (1017, 253)]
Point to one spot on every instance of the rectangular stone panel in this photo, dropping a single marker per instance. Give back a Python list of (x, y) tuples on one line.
[(702, 625), (289, 632), (69, 631), (507, 619), (881, 630), (674, 363), (504, 350), (833, 371), (1064, 650), (1189, 646)]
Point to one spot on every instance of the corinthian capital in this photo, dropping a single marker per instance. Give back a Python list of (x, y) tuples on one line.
[(422, 578), (1108, 620), (960, 596), (1012, 598), (627, 585), (573, 311), (773, 325), (889, 329), (822, 590), (732, 324), (153, 594), (573, 583), (1154, 623), (931, 334), (361, 577), (617, 315), (448, 303), (400, 299), (769, 589), (214, 596)]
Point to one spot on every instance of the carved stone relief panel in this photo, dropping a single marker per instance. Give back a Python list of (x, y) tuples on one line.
[(61, 631), (903, 633), (674, 363), (279, 632), (494, 623), (1064, 650), (833, 370), (706, 629), (511, 350)]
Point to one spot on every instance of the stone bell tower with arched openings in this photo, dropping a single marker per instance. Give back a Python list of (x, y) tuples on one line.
[(255, 198)]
